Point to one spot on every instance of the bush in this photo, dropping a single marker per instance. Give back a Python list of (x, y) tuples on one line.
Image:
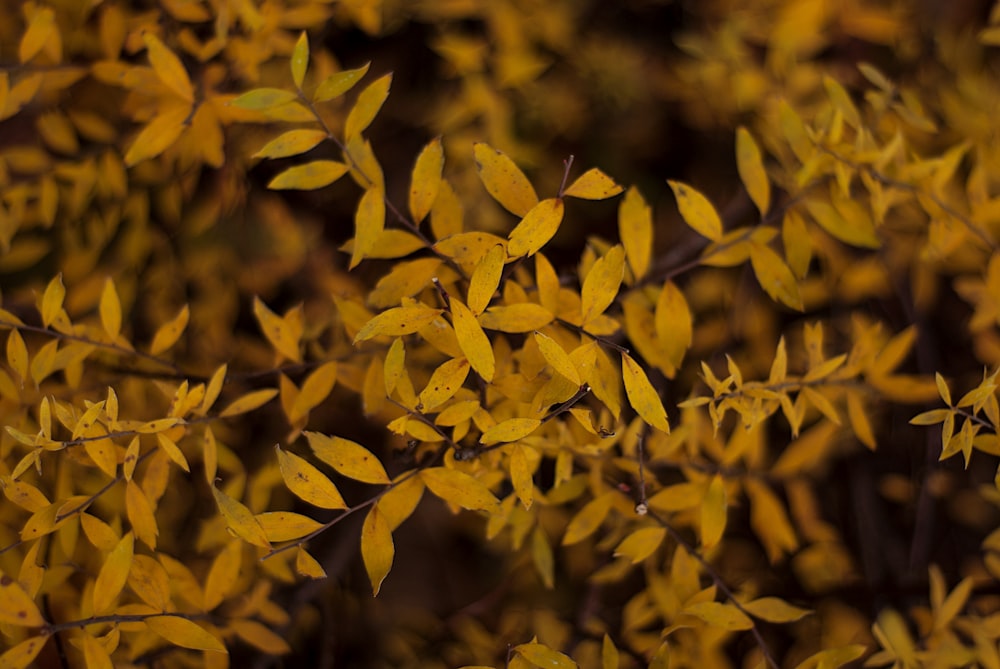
[(263, 317)]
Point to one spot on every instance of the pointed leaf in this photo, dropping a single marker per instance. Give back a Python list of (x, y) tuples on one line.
[(377, 549), (641, 544), (460, 489), (247, 403), (168, 67), (397, 322), (697, 211), (485, 279), (600, 288), (541, 655), (263, 98), (158, 135), (23, 654), (184, 633), (240, 520), (472, 340), (16, 606), (308, 483), (308, 176), (587, 520), (642, 396), (426, 180), (307, 565), (674, 326), (750, 166), (444, 383), (504, 180), (535, 230), (52, 300), (509, 430), (110, 310), (339, 83), (291, 143), (286, 525), (635, 228), (713, 513), (774, 276), (168, 333), (367, 106), (722, 616), (369, 223), (557, 358), (300, 60), (774, 610), (593, 185)]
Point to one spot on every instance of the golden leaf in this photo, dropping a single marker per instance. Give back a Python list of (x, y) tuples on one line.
[(713, 512), (339, 83), (602, 283), (460, 489), (397, 322), (750, 166), (308, 176), (485, 279), (723, 616), (222, 575), (472, 340), (316, 388), (557, 358), (308, 483), (168, 333), (184, 633), (635, 228), (425, 180), (377, 549), (774, 610), (521, 317), (286, 525), (113, 575), (240, 520), (444, 383), (642, 396), (535, 230), (307, 565), (366, 107), (369, 222), (158, 135), (588, 519), (593, 185), (504, 180), (168, 67), (140, 514), (508, 430), (697, 211), (300, 60)]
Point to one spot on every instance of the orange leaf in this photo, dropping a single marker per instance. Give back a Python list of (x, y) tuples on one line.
[(541, 655), (168, 67), (537, 227), (260, 99), (377, 549), (504, 180)]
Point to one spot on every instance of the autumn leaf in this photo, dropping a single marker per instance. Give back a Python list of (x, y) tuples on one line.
[(307, 482), (504, 180), (535, 230), (377, 549), (697, 211)]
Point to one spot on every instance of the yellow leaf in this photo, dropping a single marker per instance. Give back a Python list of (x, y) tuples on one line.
[(377, 549), (158, 135), (443, 384), (260, 99), (150, 581), (23, 654), (774, 276), (697, 211), (397, 322), (722, 616), (16, 606), (641, 544), (406, 279), (260, 637), (750, 166), (291, 143), (504, 180), (168, 333), (460, 489), (769, 520), (39, 31), (308, 483), (308, 176), (426, 180), (642, 396), (535, 230), (588, 519), (842, 101), (168, 67), (635, 228), (246, 403), (593, 185), (184, 633), (609, 654), (369, 222), (223, 575), (339, 83), (140, 514), (858, 417), (602, 283), (300, 60), (485, 279), (521, 465), (316, 388), (168, 446), (95, 655), (17, 354), (240, 520), (279, 331), (113, 575), (110, 309), (472, 340), (713, 513), (285, 525), (542, 656), (557, 358), (674, 326), (307, 565), (774, 610), (399, 501), (52, 300), (213, 389), (541, 555), (521, 317), (508, 430), (857, 229), (368, 104)]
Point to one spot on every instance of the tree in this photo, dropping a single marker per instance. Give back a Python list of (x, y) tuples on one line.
[(276, 317)]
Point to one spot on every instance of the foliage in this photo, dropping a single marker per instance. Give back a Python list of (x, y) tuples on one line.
[(660, 430)]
